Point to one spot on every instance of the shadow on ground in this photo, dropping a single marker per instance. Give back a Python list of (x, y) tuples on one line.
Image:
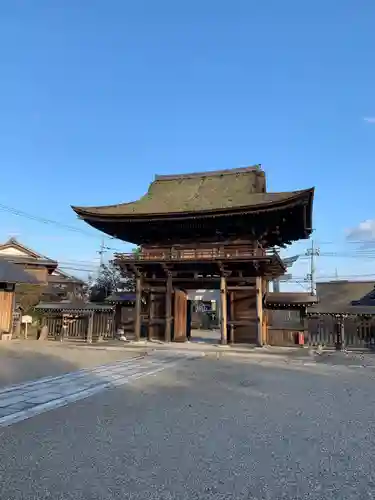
[(31, 360)]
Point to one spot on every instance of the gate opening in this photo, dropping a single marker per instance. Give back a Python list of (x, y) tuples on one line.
[(197, 314)]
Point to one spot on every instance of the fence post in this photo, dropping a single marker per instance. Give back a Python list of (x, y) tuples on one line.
[(90, 328), (340, 334), (64, 327)]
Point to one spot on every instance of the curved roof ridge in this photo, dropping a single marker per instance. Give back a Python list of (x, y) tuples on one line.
[(257, 201), (210, 173)]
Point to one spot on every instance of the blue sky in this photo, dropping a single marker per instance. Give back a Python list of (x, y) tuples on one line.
[(97, 96)]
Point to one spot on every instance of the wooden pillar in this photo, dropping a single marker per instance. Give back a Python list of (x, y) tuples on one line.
[(64, 327), (259, 308), (168, 309), (223, 310), (11, 327), (265, 283), (265, 328), (138, 303), (231, 318), (305, 325), (90, 328), (151, 316)]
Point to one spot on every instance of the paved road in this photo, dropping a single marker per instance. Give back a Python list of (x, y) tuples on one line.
[(205, 428), (23, 401), (23, 361)]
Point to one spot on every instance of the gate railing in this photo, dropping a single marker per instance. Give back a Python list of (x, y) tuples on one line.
[(197, 254)]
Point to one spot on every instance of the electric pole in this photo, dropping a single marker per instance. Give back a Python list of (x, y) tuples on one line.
[(312, 252), (101, 256), (102, 250)]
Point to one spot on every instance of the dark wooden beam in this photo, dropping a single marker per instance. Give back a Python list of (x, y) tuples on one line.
[(231, 315), (259, 310), (151, 323), (223, 311), (150, 288), (138, 305), (240, 287), (168, 308)]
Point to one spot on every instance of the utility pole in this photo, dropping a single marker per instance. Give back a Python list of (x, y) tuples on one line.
[(103, 249), (101, 252), (312, 252)]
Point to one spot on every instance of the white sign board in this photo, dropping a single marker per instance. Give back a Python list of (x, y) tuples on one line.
[(27, 320)]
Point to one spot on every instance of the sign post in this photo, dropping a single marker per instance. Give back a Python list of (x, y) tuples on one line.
[(26, 320)]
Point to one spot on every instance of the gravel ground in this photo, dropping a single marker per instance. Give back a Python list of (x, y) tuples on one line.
[(20, 362), (207, 429)]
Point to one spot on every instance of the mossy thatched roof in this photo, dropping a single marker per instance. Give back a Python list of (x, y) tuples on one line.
[(196, 193)]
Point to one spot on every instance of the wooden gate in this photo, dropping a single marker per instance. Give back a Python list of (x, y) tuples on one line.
[(180, 316), (243, 316), (156, 320)]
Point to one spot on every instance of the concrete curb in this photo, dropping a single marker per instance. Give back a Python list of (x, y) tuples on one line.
[(190, 349), (266, 353)]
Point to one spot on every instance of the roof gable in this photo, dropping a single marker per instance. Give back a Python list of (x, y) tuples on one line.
[(13, 251), (17, 253), (14, 247)]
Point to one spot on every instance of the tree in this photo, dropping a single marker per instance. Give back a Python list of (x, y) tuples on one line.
[(136, 251), (111, 279), (28, 296), (106, 282)]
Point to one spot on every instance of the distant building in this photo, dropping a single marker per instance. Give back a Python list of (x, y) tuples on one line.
[(10, 274), (58, 284), (34, 263), (343, 296), (65, 286)]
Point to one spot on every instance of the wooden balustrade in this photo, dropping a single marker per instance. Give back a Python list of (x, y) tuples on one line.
[(215, 253)]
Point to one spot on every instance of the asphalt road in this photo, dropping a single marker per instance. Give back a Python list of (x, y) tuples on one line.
[(205, 429), (20, 362)]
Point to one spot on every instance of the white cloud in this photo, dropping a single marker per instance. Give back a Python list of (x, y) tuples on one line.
[(365, 231), (370, 119)]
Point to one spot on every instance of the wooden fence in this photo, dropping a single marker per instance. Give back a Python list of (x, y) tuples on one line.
[(77, 325), (284, 325), (359, 332)]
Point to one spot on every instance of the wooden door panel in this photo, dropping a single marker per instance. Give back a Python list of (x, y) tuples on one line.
[(244, 316), (6, 310), (157, 316), (180, 316)]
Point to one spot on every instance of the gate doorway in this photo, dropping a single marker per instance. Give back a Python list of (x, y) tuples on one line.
[(196, 316)]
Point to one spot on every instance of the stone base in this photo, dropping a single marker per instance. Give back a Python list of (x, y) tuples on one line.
[(6, 336)]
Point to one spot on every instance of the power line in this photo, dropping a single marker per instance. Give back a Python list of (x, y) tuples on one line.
[(84, 266), (68, 268), (43, 220), (21, 213)]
